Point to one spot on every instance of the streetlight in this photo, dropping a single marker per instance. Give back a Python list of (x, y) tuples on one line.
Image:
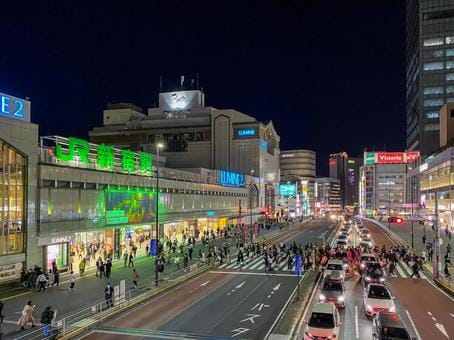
[(156, 274), (250, 203)]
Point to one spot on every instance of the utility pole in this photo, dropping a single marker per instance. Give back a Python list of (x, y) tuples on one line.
[(389, 206), (412, 215), (436, 269), (156, 274)]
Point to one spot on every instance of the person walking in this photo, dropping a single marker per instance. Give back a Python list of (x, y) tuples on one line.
[(176, 260), (125, 258), (47, 318), (72, 280), (185, 261), (82, 267), (415, 268), (135, 278), (130, 260), (108, 293), (27, 316), (102, 269), (42, 280), (56, 278), (108, 266)]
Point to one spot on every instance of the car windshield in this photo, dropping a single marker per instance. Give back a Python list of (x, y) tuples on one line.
[(332, 285), (374, 268), (334, 266), (321, 320), (341, 242), (378, 292), (394, 333)]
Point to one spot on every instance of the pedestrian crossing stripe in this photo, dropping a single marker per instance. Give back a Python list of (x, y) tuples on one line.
[(258, 264)]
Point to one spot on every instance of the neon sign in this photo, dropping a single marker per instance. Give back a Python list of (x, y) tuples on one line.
[(14, 108), (103, 156), (246, 132), (231, 179), (288, 189)]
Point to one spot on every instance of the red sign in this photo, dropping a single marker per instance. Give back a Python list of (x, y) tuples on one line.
[(412, 156), (332, 163), (390, 157)]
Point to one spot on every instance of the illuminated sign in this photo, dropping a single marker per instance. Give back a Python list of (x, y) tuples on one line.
[(263, 144), (351, 161), (231, 179), (210, 213), (332, 163), (423, 167), (390, 157), (15, 108), (246, 132), (116, 217), (285, 155), (351, 176), (102, 156), (180, 100), (287, 189), (130, 206)]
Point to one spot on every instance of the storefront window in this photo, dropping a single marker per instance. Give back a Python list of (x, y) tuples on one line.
[(57, 253), (12, 197)]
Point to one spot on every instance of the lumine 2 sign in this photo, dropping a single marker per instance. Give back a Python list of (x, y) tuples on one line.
[(15, 108), (106, 157)]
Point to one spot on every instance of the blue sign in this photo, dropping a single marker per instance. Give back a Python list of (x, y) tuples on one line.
[(210, 213), (153, 247), (288, 189), (263, 144), (231, 179), (298, 265), (14, 108), (246, 132)]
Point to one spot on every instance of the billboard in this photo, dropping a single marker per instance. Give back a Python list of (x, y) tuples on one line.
[(180, 100), (231, 179), (14, 108), (287, 189), (130, 207), (390, 157), (245, 132)]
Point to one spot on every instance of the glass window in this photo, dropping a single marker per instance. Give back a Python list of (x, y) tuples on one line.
[(449, 64), (433, 102), (449, 76), (450, 100), (432, 114), (449, 52), (449, 40), (433, 42), (431, 127), (450, 89), (433, 90), (433, 66), (438, 53)]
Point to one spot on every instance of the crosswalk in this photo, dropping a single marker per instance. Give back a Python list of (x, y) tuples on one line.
[(404, 271), (258, 263)]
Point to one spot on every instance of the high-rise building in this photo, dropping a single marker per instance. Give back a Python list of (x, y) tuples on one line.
[(430, 70), (346, 170)]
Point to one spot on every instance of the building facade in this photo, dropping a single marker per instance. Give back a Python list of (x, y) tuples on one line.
[(65, 198), (429, 68), (197, 136), (346, 170), (327, 195)]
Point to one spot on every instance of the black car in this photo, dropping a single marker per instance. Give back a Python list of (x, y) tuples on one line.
[(389, 326), (373, 274)]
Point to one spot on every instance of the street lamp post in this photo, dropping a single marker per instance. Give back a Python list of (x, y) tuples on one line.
[(156, 274), (389, 206)]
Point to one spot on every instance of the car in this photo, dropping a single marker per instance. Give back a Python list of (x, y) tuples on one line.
[(345, 230), (332, 290), (343, 237), (335, 265), (365, 260), (341, 244), (324, 322), (374, 273), (376, 299), (346, 265), (367, 243), (389, 326)]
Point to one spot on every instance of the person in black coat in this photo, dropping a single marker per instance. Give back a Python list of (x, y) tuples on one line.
[(108, 294)]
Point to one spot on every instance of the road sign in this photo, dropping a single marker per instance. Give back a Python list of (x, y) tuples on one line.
[(298, 265), (153, 247)]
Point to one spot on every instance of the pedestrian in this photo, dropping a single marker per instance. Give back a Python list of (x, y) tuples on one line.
[(27, 316), (147, 250), (82, 267), (190, 250), (131, 262), (42, 282), (176, 260), (99, 265), (1, 313), (424, 237), (185, 261), (446, 271), (415, 268), (47, 318), (72, 280), (108, 293), (125, 258), (448, 248), (50, 278), (56, 278), (135, 277), (108, 266)]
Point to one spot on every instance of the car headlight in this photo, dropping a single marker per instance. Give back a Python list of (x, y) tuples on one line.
[(362, 265), (367, 278), (382, 279), (369, 307), (392, 309), (370, 244), (322, 297), (341, 298), (345, 265), (309, 334)]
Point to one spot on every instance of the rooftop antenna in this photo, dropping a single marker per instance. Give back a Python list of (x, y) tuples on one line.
[(160, 83), (197, 76)]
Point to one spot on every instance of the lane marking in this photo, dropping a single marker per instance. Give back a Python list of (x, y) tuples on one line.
[(277, 286), (356, 323), (250, 273), (451, 314), (240, 285), (413, 324), (204, 284), (442, 329), (400, 271)]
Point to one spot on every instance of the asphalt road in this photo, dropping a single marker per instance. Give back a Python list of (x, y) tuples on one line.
[(226, 302), (417, 301)]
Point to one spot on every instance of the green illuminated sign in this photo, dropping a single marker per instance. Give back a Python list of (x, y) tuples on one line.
[(76, 146), (107, 157), (351, 161), (369, 158), (116, 217)]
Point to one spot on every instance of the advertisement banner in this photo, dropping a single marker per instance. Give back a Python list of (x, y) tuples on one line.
[(390, 157), (180, 100), (412, 156), (288, 189), (130, 207), (14, 108)]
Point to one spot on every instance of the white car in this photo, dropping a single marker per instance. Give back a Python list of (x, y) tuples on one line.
[(324, 322), (335, 265), (377, 298)]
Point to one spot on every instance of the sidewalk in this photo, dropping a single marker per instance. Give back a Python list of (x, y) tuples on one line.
[(90, 289)]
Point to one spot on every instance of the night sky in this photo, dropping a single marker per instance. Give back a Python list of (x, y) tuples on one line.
[(330, 74)]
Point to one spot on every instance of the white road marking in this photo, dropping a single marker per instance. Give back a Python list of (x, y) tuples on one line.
[(442, 329), (429, 313), (356, 323), (418, 337), (240, 285), (400, 271), (451, 314), (277, 287), (204, 284), (250, 273)]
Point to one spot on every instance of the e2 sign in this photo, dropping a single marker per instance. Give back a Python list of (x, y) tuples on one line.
[(14, 108)]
